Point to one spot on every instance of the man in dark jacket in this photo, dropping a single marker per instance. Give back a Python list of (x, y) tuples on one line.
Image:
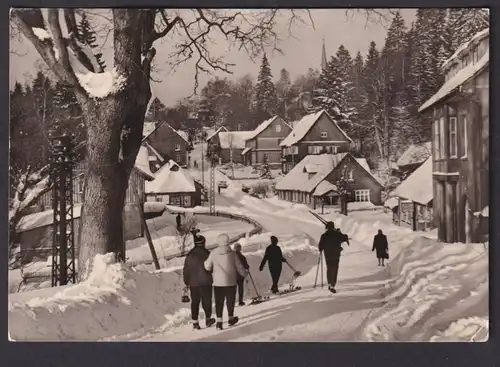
[(381, 245), (240, 280), (331, 245), (199, 281), (274, 256)]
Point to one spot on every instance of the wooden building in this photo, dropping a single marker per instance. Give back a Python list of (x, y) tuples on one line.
[(412, 158), (169, 143), (313, 180), (460, 142), (230, 145), (414, 196), (313, 134), (264, 142), (174, 186)]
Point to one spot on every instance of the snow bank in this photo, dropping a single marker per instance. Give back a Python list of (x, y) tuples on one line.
[(115, 300), (41, 33), (433, 285)]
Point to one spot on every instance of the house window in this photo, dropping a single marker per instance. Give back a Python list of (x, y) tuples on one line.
[(453, 137), (178, 158), (475, 55), (187, 201), (436, 139), (442, 139), (278, 128), (350, 174), (362, 195), (324, 134), (177, 147), (465, 142), (335, 149), (294, 149)]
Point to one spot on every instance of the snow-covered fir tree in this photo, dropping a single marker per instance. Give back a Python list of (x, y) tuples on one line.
[(358, 100), (283, 92), (266, 100), (266, 170), (87, 35), (464, 23), (346, 75)]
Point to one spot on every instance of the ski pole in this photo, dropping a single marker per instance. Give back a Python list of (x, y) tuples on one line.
[(321, 272), (253, 283), (295, 272), (317, 271)]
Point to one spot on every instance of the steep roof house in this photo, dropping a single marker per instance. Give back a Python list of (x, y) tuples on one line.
[(460, 142), (314, 134), (413, 157)]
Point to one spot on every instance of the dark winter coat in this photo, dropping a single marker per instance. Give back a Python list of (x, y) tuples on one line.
[(274, 256), (331, 243), (244, 262), (194, 271), (381, 246)]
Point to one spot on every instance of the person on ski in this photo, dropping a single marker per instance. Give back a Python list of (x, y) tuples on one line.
[(331, 245), (199, 282), (274, 256), (225, 267), (240, 280), (178, 221), (381, 246)]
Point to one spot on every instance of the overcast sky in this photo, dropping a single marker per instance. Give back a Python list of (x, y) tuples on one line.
[(300, 53)]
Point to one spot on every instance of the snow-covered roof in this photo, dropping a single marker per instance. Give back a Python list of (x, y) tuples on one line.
[(303, 127), (457, 80), (391, 203), (183, 134), (163, 123), (263, 126), (246, 150), (364, 163), (211, 133), (465, 47), (171, 178), (42, 219), (416, 153), (323, 188), (309, 172), (233, 139), (142, 162), (153, 152), (418, 186)]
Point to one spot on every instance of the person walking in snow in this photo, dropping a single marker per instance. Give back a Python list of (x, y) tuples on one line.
[(178, 221), (199, 282), (225, 267), (274, 256), (331, 245), (381, 246), (240, 279)]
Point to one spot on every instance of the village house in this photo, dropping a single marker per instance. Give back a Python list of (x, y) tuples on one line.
[(313, 180), (411, 202), (173, 185), (264, 142), (212, 139), (460, 143), (169, 143), (35, 230), (230, 145), (412, 158), (313, 134)]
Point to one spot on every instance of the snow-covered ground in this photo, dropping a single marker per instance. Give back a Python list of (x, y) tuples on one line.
[(428, 291)]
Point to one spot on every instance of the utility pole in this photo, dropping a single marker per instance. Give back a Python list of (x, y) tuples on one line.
[(63, 242)]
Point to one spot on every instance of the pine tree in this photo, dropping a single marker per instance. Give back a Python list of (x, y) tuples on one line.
[(359, 100), (283, 87), (87, 35), (464, 23), (346, 96), (266, 170), (157, 111), (265, 96)]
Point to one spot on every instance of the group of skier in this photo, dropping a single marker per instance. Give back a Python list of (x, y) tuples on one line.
[(222, 272)]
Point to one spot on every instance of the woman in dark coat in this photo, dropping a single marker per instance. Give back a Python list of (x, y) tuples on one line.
[(274, 257), (381, 246)]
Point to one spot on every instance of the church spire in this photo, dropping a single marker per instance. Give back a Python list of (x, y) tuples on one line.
[(323, 56)]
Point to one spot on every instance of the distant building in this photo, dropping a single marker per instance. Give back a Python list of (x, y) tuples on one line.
[(413, 157), (169, 143), (460, 143), (264, 142), (315, 133), (313, 180)]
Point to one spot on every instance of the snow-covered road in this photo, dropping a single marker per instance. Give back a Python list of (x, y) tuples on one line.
[(306, 315)]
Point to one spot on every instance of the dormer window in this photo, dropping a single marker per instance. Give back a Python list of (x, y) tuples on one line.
[(177, 147), (324, 134)]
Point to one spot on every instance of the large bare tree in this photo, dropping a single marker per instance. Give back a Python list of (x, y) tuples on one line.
[(115, 115)]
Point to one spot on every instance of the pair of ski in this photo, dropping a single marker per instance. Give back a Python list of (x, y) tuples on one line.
[(292, 288)]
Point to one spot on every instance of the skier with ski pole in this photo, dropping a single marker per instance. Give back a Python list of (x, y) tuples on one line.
[(331, 244), (274, 256)]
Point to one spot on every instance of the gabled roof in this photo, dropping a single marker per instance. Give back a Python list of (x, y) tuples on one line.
[(142, 163), (457, 80), (171, 178), (153, 151), (418, 186), (303, 127), (163, 123), (263, 126), (234, 139), (364, 163), (216, 132), (323, 188), (416, 153)]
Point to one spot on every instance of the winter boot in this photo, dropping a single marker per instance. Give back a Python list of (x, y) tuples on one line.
[(241, 303), (209, 322), (331, 288), (218, 325), (196, 325), (233, 320)]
